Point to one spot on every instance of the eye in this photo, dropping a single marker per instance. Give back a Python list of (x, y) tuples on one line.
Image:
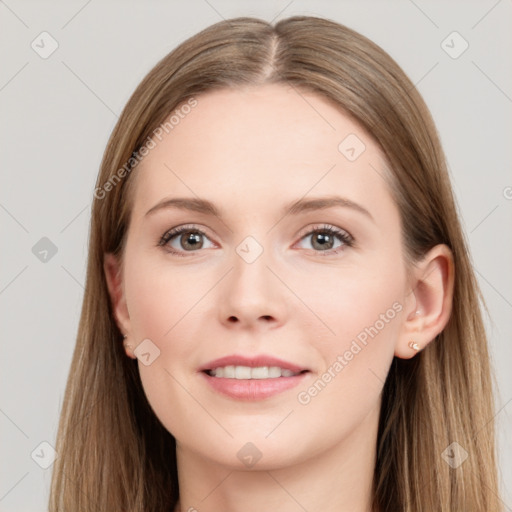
[(188, 239), (324, 238)]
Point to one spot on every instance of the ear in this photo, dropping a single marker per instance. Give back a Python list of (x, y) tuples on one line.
[(114, 278), (429, 304)]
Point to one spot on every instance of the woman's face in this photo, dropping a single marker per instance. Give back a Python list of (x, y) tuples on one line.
[(255, 281)]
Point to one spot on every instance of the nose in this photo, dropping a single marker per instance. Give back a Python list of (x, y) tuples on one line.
[(252, 295)]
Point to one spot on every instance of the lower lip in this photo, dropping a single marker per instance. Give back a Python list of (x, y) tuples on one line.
[(253, 389)]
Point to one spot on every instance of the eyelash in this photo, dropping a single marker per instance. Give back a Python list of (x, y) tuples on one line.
[(343, 236)]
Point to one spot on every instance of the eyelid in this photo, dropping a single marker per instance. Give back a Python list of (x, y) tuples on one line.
[(323, 226)]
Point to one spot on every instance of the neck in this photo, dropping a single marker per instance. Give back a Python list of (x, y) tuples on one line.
[(339, 479)]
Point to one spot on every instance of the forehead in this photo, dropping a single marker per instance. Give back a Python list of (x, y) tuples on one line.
[(259, 143), (287, 123)]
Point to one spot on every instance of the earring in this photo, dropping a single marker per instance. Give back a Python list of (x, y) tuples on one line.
[(125, 342), (414, 345)]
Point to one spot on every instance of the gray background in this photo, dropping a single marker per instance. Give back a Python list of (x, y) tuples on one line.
[(58, 112)]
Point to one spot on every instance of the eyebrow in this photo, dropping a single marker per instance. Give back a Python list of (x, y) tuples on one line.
[(294, 208)]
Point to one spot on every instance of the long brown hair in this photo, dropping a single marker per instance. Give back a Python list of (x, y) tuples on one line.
[(114, 454)]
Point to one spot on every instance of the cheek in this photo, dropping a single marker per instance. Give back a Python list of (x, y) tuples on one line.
[(357, 302), (160, 298), (361, 317), (365, 315), (164, 306)]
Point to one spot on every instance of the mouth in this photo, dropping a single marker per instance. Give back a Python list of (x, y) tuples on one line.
[(252, 378), (251, 373)]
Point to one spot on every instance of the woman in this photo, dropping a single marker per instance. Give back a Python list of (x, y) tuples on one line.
[(280, 310)]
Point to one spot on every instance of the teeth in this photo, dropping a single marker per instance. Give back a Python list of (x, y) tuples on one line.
[(274, 372), (229, 372), (247, 373), (242, 372), (259, 373)]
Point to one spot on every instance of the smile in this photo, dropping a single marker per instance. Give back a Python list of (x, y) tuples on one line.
[(248, 373)]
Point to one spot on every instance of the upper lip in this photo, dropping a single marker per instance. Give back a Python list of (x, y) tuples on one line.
[(252, 362)]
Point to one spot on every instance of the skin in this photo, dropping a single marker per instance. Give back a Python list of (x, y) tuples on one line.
[(251, 151)]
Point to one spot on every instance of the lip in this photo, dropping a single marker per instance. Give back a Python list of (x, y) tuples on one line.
[(252, 389)]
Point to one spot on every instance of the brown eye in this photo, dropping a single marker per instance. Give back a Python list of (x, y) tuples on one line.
[(183, 239), (328, 239), (190, 240)]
